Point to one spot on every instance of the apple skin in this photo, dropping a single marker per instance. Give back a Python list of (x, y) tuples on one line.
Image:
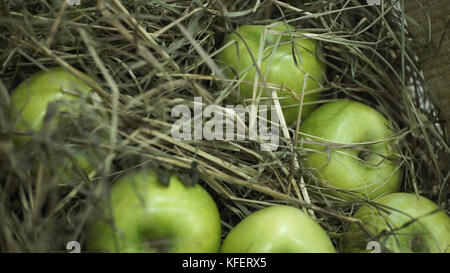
[(29, 103), (61, 167), (150, 217), (278, 229), (30, 99), (87, 160), (280, 67), (347, 122), (430, 233)]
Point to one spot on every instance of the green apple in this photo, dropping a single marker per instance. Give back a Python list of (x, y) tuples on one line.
[(401, 222), (278, 65), (277, 229), (87, 161), (30, 99), (143, 215), (29, 102), (364, 168)]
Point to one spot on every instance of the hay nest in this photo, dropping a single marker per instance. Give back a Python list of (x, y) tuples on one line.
[(148, 56)]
